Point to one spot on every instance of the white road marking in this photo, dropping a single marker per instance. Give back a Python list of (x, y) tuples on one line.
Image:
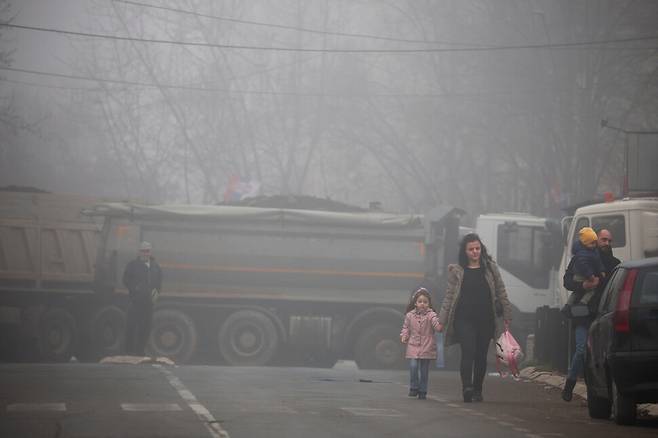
[(31, 407), (373, 412), (150, 407), (212, 425), (513, 418)]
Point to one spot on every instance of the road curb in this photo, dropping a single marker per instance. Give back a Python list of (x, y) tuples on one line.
[(552, 378)]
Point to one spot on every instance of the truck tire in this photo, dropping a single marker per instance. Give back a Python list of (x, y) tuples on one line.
[(623, 406), (107, 332), (57, 335), (379, 347), (173, 335), (248, 337)]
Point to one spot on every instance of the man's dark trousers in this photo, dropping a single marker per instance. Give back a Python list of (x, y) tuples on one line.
[(138, 325)]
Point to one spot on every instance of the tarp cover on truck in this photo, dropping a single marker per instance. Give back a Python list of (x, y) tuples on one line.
[(221, 212)]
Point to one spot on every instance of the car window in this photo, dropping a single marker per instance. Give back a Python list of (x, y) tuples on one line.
[(616, 224), (610, 293), (647, 287)]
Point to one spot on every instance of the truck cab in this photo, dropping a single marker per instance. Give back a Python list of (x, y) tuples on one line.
[(527, 249), (633, 223)]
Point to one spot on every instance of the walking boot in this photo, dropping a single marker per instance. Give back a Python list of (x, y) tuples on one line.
[(413, 392), (567, 392), (468, 394), (422, 395), (477, 395)]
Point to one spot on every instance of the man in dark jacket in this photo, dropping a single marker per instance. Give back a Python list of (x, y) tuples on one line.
[(581, 325), (143, 279)]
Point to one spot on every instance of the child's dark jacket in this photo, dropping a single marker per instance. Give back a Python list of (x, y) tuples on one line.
[(587, 261)]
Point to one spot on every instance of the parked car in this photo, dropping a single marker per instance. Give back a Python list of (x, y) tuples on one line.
[(621, 366)]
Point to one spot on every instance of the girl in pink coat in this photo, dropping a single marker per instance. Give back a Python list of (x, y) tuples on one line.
[(418, 329)]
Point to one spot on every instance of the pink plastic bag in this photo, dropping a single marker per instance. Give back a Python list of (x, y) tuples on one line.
[(508, 354)]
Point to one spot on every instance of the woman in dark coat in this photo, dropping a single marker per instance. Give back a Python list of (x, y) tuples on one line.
[(469, 310)]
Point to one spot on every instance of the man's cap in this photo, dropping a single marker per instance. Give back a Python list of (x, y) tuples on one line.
[(587, 236), (144, 246)]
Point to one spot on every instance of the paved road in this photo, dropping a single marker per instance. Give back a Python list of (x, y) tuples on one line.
[(83, 400)]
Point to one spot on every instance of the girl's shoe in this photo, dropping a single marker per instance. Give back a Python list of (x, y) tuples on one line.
[(422, 396), (468, 394), (413, 392)]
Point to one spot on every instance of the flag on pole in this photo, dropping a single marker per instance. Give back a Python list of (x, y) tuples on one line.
[(237, 189)]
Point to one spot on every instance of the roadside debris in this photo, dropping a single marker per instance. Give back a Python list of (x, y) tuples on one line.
[(137, 360)]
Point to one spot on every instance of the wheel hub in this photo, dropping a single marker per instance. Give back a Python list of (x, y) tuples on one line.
[(169, 339)]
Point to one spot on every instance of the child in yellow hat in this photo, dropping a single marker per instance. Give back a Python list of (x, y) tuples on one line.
[(587, 263)]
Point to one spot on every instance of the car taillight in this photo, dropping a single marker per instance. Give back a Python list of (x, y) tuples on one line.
[(622, 311)]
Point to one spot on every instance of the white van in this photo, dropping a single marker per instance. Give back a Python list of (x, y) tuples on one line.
[(633, 223)]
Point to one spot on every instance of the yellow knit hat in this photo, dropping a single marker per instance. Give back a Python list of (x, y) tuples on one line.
[(587, 236)]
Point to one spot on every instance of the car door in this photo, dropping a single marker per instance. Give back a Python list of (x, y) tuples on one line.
[(600, 332), (644, 311)]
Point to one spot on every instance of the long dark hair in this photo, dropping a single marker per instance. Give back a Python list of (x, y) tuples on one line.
[(485, 258), (412, 301)]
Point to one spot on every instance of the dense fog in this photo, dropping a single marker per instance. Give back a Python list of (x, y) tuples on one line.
[(488, 106)]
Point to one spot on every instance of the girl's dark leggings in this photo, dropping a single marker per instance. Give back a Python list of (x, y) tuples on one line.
[(474, 338)]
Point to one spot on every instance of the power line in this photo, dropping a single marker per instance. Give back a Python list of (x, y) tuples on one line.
[(274, 93), (295, 28), (54, 87), (583, 44)]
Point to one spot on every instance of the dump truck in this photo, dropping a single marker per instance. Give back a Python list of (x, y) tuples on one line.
[(48, 307), (242, 285)]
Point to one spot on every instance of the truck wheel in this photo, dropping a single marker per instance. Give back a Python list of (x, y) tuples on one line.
[(107, 332), (173, 335), (57, 335), (379, 347), (248, 337), (623, 406)]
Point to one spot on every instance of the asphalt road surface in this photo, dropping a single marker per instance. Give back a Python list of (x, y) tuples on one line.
[(90, 400)]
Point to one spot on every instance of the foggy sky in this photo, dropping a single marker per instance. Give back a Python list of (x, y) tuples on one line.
[(488, 131)]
